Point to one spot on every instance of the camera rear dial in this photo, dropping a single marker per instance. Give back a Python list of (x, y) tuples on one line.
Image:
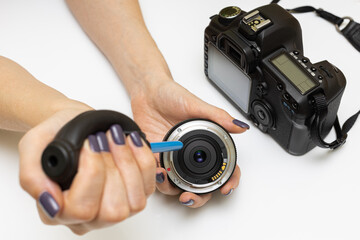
[(262, 115), (207, 160)]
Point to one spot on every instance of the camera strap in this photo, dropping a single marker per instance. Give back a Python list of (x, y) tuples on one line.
[(351, 31), (319, 104), (349, 28)]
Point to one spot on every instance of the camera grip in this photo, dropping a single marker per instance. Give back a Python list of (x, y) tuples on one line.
[(60, 158)]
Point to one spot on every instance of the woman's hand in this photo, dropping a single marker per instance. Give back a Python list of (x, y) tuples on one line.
[(116, 174), (158, 103), (159, 108)]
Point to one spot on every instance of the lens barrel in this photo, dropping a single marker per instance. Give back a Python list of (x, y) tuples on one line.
[(207, 159)]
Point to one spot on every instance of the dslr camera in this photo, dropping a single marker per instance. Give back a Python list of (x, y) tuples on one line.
[(256, 60)]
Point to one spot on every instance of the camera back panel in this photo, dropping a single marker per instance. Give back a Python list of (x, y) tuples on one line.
[(256, 60)]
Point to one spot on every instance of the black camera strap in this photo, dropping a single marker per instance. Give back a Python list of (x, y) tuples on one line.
[(320, 108), (351, 30)]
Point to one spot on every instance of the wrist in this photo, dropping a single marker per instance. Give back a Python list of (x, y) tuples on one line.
[(149, 85), (69, 104), (68, 107)]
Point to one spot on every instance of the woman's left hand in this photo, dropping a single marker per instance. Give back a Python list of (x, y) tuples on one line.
[(157, 111)]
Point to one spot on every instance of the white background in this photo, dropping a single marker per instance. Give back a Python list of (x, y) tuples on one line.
[(316, 196)]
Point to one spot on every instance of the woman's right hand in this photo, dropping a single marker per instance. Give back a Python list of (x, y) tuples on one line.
[(115, 176)]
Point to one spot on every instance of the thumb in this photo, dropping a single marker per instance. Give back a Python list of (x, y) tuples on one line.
[(220, 116), (34, 181)]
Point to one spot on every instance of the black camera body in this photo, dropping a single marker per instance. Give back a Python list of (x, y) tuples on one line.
[(256, 59)]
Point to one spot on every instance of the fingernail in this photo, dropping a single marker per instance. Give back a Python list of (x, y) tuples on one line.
[(117, 134), (188, 203), (160, 177), (230, 192), (94, 145), (136, 139), (240, 124), (48, 204), (103, 143)]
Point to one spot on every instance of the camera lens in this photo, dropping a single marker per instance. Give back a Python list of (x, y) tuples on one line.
[(207, 159), (200, 156)]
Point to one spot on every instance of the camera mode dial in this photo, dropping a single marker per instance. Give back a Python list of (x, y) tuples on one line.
[(228, 14)]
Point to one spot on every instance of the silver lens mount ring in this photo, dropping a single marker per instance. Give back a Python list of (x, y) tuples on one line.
[(227, 166)]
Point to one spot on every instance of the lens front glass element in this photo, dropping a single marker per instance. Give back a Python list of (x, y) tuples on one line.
[(200, 156), (207, 159)]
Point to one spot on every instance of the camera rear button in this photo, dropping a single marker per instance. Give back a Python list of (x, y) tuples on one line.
[(286, 96), (320, 77), (279, 87), (295, 105), (313, 69)]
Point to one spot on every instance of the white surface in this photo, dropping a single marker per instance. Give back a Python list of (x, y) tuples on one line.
[(316, 196)]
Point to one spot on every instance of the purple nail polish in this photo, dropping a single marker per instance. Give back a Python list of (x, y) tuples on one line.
[(103, 142), (241, 124), (160, 177), (136, 139), (94, 145), (117, 134), (48, 204), (188, 203), (230, 192)]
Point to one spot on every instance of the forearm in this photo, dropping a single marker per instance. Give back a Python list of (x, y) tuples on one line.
[(24, 101), (118, 29)]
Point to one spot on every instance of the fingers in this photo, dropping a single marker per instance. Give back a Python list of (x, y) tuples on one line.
[(127, 183), (128, 169), (108, 186), (220, 116), (82, 201), (145, 161), (192, 200), (163, 184), (233, 182), (34, 181), (195, 201), (79, 229), (114, 203), (129, 176)]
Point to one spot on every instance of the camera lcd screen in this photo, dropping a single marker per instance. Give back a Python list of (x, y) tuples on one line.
[(295, 74), (229, 78)]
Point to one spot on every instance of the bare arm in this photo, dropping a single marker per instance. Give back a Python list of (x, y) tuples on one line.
[(24, 101), (90, 202), (118, 29), (158, 103)]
